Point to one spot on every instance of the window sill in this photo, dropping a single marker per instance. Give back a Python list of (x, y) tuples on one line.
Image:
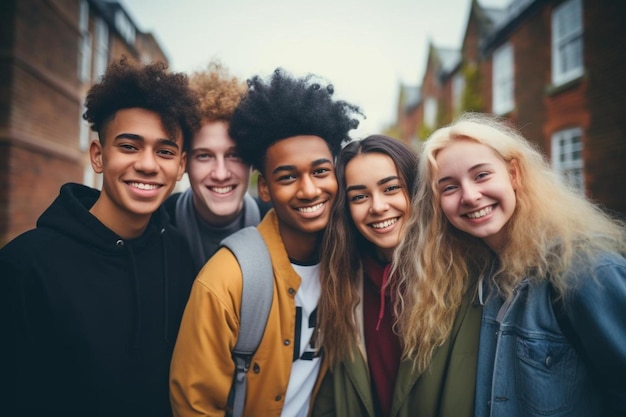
[(554, 89)]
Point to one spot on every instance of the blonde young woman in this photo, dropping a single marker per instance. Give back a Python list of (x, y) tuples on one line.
[(551, 269), (367, 375)]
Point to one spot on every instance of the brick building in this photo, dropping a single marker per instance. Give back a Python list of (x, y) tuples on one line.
[(51, 52), (557, 69)]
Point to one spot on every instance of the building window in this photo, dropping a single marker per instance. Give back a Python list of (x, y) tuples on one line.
[(458, 87), (125, 27), (567, 156), (102, 48), (430, 112), (503, 81), (83, 131), (90, 178), (84, 54), (567, 43)]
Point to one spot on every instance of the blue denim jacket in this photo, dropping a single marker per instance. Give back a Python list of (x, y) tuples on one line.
[(528, 367)]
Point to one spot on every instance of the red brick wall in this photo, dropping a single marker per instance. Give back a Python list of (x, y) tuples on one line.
[(41, 101), (532, 71), (39, 125), (605, 63), (33, 184), (595, 102)]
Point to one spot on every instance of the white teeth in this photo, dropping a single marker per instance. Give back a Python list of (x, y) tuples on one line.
[(143, 186), (222, 190), (480, 213), (311, 209), (384, 224)]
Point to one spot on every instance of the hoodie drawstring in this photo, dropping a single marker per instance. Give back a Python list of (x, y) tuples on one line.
[(137, 296), (166, 299), (166, 292)]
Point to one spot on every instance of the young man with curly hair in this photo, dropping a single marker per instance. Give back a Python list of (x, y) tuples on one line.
[(96, 292), (217, 203), (290, 130)]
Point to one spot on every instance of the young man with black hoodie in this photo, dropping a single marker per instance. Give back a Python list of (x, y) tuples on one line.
[(290, 129), (96, 292)]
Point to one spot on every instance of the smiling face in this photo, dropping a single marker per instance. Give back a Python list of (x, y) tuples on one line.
[(218, 177), (299, 179), (477, 190), (377, 199), (140, 165)]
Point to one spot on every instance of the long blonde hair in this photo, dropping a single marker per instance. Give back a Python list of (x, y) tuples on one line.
[(552, 226)]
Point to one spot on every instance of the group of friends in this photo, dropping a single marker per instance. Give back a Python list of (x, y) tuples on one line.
[(460, 279)]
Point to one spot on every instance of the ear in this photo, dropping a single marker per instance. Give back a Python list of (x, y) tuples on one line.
[(95, 156), (263, 189), (514, 173), (182, 167)]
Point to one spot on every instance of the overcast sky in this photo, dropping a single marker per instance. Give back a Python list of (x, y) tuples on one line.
[(364, 48)]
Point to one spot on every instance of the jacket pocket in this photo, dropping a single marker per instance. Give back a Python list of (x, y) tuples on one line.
[(545, 375)]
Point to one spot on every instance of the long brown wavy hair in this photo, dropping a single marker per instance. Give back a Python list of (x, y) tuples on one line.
[(342, 247)]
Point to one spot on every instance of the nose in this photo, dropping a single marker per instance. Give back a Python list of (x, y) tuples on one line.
[(146, 162), (308, 189), (470, 194), (220, 171), (378, 205)]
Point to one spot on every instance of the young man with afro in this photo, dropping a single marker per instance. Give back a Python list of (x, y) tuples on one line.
[(290, 130), (97, 290), (217, 204)]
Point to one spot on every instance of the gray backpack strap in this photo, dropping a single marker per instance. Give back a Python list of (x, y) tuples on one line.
[(256, 299)]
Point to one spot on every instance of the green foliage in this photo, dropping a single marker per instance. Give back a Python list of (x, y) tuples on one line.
[(424, 131), (393, 131), (471, 99)]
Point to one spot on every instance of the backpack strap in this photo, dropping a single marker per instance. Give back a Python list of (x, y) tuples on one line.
[(256, 299)]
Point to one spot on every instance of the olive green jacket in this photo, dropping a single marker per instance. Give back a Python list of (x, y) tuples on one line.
[(445, 389)]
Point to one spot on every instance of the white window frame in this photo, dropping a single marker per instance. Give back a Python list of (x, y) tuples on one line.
[(83, 132), (567, 156), (503, 80), (89, 176), (430, 112), (102, 48), (458, 88), (567, 42), (84, 58), (125, 27)]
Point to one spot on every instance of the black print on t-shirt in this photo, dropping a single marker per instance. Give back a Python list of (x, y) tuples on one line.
[(307, 355)]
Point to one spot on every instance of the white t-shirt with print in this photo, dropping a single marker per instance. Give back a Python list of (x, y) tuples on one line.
[(306, 364)]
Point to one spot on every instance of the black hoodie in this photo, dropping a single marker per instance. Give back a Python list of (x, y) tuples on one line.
[(92, 318)]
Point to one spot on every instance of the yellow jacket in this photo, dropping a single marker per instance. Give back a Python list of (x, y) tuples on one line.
[(202, 368)]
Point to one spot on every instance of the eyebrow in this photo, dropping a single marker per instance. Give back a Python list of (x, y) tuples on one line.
[(139, 138), (480, 165), (379, 182), (315, 163), (355, 187), (387, 179)]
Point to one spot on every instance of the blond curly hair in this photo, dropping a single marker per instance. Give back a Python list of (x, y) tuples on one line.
[(218, 91)]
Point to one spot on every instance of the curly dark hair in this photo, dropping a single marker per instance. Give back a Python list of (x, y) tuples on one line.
[(285, 106), (151, 87)]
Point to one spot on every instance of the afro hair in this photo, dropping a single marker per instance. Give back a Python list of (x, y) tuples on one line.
[(150, 87), (285, 106)]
